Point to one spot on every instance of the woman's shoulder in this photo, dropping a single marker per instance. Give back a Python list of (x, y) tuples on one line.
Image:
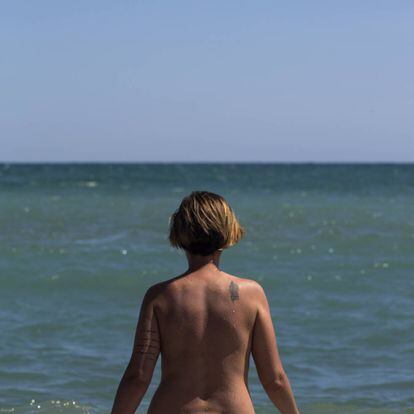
[(250, 285), (163, 288)]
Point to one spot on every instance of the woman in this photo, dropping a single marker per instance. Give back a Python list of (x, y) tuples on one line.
[(204, 323)]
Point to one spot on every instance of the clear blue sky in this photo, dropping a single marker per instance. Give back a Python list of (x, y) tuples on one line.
[(89, 80)]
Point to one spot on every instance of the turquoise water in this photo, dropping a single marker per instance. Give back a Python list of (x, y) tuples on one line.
[(333, 246)]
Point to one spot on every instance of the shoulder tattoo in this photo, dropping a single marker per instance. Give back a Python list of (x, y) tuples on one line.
[(234, 291)]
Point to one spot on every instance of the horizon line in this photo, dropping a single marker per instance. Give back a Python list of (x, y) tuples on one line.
[(205, 162)]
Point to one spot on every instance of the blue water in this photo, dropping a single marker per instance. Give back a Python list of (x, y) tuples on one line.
[(333, 246)]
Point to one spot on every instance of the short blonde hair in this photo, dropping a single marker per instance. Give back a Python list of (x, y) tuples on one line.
[(204, 223)]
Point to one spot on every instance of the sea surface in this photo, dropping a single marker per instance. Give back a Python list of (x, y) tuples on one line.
[(332, 245)]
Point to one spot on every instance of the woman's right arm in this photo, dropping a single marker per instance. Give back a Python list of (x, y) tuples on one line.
[(267, 360)]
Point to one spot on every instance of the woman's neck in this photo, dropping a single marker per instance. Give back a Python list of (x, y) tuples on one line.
[(196, 262)]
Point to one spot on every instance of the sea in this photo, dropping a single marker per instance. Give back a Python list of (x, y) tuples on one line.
[(331, 244)]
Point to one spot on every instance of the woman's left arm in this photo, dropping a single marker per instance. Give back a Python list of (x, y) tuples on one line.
[(138, 374)]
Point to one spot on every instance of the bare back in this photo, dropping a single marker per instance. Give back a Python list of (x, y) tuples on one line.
[(205, 324)]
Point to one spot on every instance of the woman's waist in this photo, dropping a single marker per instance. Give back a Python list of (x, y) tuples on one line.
[(203, 384), (215, 379), (219, 388), (203, 396)]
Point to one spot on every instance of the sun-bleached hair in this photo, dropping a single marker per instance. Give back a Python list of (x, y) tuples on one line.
[(203, 223)]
